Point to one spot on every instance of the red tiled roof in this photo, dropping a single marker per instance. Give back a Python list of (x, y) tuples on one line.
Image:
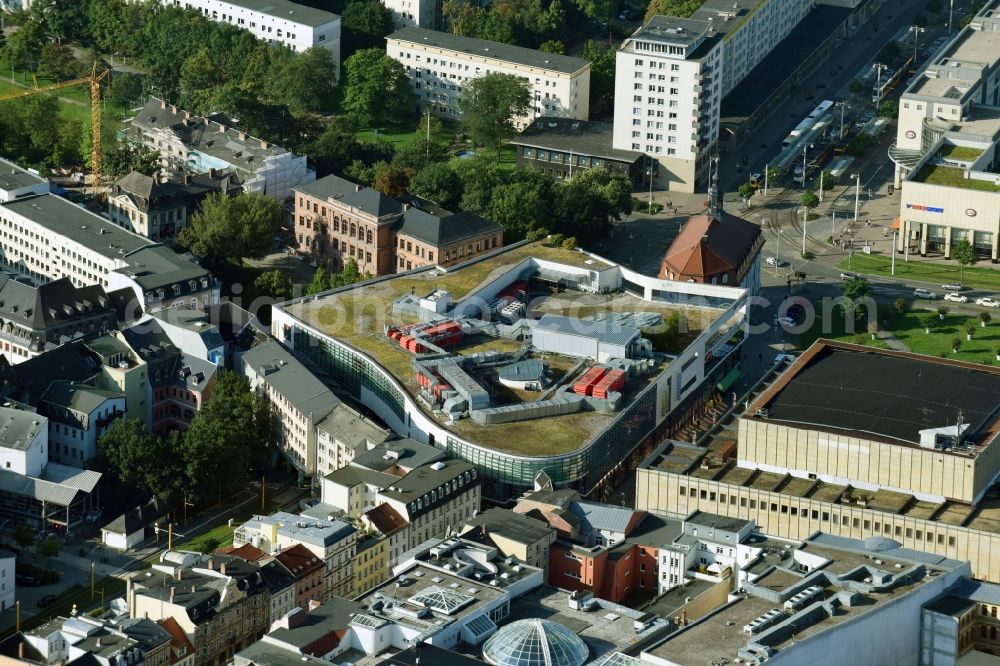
[(709, 245), (385, 519), (178, 639), (299, 560), (247, 552)]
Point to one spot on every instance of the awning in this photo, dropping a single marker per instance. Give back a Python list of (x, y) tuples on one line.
[(896, 224), (731, 378)]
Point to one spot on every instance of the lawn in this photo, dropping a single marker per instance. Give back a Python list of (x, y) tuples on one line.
[(936, 174), (960, 153), (401, 134), (908, 328), (217, 537), (925, 271)]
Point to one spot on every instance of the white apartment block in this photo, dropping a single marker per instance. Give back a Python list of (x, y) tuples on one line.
[(275, 21), (439, 64), (414, 13), (78, 417), (46, 237), (299, 399), (672, 73), (667, 95)]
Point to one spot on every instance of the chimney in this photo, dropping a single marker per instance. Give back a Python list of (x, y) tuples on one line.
[(173, 109), (263, 144), (313, 605), (222, 568), (187, 179), (179, 572), (243, 136), (186, 122), (222, 128), (211, 563), (194, 588), (357, 187), (20, 650), (98, 641), (211, 173), (163, 103), (406, 206), (187, 116), (172, 595)]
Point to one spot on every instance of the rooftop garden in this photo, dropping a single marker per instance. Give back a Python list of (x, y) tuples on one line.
[(960, 153), (937, 174)]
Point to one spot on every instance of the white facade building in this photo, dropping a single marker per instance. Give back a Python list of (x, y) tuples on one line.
[(672, 73), (16, 182), (296, 26), (414, 13), (439, 64), (46, 237), (947, 149), (78, 416), (7, 581), (24, 441)]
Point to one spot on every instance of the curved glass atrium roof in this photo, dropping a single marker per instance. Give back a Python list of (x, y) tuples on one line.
[(535, 642), (440, 599)]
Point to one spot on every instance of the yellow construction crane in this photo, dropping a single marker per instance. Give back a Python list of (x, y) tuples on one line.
[(95, 111)]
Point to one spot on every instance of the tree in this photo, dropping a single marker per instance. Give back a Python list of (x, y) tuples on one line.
[(965, 254), (524, 208), (856, 87), (59, 19), (24, 46), (320, 282), (602, 75), (127, 90), (678, 8), (23, 535), (809, 199), (900, 304), (888, 54), (365, 24), (439, 183), (275, 284), (984, 319), (391, 180), (888, 109), (854, 291), (860, 144), (377, 88), (745, 192), (596, 9), (233, 228), (58, 62), (418, 155), (49, 548), (216, 449), (489, 105), (141, 461), (124, 157), (553, 46), (199, 75), (587, 202), (307, 82)]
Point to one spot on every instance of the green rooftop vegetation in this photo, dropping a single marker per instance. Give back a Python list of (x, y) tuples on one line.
[(960, 153), (937, 174)]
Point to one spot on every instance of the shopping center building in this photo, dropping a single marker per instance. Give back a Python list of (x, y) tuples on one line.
[(946, 151), (615, 360)]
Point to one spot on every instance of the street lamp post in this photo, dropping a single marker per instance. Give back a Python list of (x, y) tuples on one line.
[(821, 185), (916, 30), (857, 195), (649, 172), (892, 250), (951, 10), (767, 167), (805, 148), (777, 252), (805, 217), (833, 223), (843, 104), (877, 97)]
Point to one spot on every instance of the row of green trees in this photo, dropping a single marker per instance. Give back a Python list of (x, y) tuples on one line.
[(212, 459)]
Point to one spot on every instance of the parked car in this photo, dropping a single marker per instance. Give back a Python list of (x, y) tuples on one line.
[(923, 293), (774, 261), (27, 581), (796, 313), (988, 302), (46, 600), (956, 298), (848, 275), (953, 286), (784, 322)]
